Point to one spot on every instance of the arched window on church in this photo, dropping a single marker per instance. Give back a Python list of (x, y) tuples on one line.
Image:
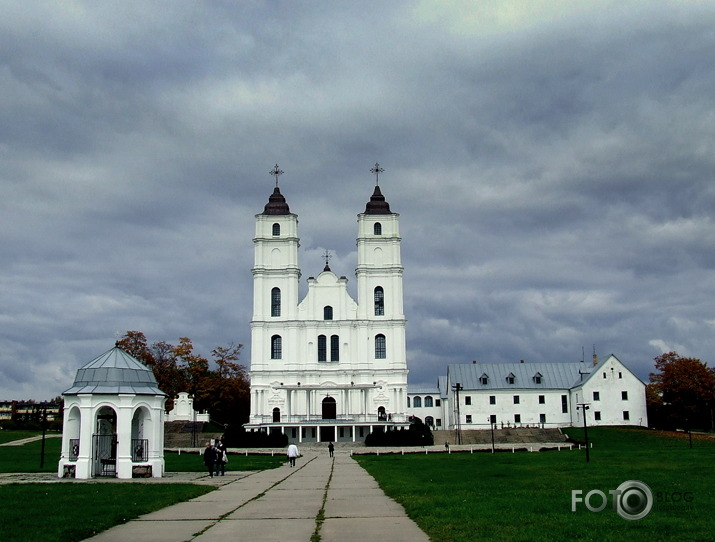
[(381, 348), (327, 312), (276, 229), (276, 347), (428, 401), (377, 228), (322, 348), (276, 302), (334, 348), (379, 301), (417, 402)]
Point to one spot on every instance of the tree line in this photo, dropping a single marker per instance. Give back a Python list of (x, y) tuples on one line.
[(220, 386)]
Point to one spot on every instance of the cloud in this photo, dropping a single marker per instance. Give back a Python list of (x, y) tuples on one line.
[(551, 163)]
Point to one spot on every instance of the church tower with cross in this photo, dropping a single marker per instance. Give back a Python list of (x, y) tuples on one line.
[(327, 367)]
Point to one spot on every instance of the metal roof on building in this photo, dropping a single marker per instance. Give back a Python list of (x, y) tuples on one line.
[(552, 375), (115, 372)]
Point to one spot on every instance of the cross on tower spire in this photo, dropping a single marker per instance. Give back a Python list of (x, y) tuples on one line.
[(276, 172), (326, 257), (376, 169)]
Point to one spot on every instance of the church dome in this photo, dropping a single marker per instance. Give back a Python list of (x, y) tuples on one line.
[(115, 372), (276, 204), (377, 204)]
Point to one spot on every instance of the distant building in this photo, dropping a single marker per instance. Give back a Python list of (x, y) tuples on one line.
[(28, 411), (184, 410), (532, 394)]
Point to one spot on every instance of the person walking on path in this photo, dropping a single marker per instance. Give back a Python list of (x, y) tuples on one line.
[(210, 458), (221, 458), (292, 454), (331, 449)]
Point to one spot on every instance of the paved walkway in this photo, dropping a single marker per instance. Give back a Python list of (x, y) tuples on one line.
[(336, 496)]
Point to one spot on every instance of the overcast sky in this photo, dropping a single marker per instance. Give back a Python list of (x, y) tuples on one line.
[(552, 164)]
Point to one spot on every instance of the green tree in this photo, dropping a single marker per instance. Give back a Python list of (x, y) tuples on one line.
[(682, 391)]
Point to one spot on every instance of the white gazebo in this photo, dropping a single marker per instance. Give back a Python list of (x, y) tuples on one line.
[(113, 420)]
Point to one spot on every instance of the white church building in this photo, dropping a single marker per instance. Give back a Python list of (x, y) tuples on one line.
[(327, 367)]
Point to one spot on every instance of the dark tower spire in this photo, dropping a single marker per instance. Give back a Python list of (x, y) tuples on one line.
[(276, 202)]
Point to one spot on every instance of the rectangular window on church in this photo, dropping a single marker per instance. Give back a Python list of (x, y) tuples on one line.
[(334, 348), (322, 348)]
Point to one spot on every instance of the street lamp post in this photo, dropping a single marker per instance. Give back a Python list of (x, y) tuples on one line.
[(457, 388), (491, 425), (585, 407)]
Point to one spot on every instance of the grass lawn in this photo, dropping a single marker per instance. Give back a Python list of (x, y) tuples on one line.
[(527, 496), (26, 458), (69, 512)]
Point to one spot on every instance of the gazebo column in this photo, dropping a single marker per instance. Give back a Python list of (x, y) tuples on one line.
[(83, 469), (124, 437)]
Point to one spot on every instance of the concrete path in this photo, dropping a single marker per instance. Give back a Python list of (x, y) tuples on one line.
[(24, 441), (335, 497)]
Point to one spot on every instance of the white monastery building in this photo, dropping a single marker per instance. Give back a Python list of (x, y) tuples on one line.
[(547, 395), (327, 367)]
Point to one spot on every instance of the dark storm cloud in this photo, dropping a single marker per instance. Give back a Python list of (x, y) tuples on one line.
[(552, 164)]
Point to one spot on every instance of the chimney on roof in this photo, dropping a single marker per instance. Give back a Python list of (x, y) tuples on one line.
[(474, 362), (595, 357), (521, 361)]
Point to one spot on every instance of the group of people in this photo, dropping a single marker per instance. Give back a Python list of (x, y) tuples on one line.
[(293, 452), (215, 458)]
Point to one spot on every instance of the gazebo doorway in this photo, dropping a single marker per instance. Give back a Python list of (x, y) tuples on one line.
[(104, 443)]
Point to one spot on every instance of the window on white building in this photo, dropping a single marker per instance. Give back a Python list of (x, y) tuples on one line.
[(564, 404), (492, 399), (428, 401), (408, 402), (379, 301), (620, 374), (276, 229), (517, 418), (276, 347), (276, 302), (438, 422), (596, 396), (510, 378), (626, 415), (327, 312), (516, 399), (597, 415), (542, 418), (537, 378), (417, 402), (492, 418), (322, 348), (377, 228), (484, 379), (437, 402), (380, 347), (334, 348), (468, 400), (469, 418), (624, 395), (542, 399)]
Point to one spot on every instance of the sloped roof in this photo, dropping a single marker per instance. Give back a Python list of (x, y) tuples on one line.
[(115, 372), (553, 375)]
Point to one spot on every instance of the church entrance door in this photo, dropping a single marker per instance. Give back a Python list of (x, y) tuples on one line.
[(330, 411)]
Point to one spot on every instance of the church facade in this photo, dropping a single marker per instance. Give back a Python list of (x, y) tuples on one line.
[(327, 367)]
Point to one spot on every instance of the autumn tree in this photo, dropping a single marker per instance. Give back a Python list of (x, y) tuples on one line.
[(682, 391), (222, 390)]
